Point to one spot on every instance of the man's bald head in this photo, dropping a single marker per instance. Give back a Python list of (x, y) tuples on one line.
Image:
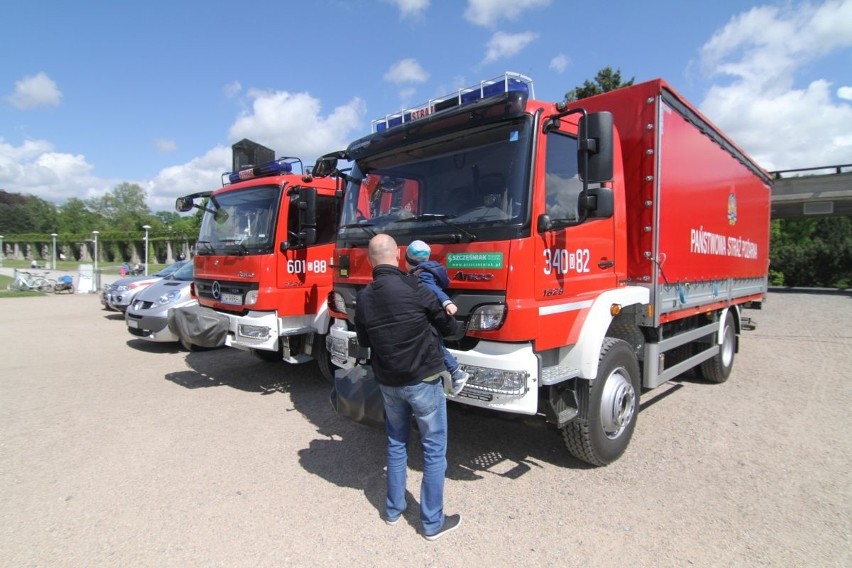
[(383, 250)]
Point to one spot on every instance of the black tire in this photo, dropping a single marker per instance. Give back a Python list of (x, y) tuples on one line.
[(323, 358), (609, 407), (718, 368)]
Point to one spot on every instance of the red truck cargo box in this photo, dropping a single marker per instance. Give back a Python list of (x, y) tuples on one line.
[(698, 206)]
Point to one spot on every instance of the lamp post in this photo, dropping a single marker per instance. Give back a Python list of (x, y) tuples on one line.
[(95, 278), (146, 227), (53, 258)]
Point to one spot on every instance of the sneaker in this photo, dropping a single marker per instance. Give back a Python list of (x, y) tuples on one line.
[(392, 522), (451, 523), (459, 383)]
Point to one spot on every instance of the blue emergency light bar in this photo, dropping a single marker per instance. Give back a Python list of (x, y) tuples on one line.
[(505, 83), (277, 167)]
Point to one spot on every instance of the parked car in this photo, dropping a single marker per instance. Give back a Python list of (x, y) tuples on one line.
[(148, 315), (120, 294)]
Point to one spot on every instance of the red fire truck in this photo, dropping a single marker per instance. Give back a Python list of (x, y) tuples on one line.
[(263, 257), (594, 249)]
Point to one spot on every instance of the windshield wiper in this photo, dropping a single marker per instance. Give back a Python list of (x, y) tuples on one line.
[(241, 248), (364, 226), (445, 219), (206, 247)]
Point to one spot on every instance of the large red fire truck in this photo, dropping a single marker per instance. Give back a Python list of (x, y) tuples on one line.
[(594, 248), (263, 256)]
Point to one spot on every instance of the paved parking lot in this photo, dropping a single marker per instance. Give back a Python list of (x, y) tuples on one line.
[(117, 452)]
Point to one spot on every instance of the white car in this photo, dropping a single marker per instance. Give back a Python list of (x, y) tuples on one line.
[(120, 294), (148, 316)]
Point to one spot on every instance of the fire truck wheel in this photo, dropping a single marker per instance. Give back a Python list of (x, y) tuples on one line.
[(608, 407), (323, 358), (718, 368)]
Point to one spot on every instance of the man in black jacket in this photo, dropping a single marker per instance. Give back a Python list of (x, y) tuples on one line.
[(397, 318)]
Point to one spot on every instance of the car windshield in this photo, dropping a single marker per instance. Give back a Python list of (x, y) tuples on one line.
[(241, 221), (184, 273), (471, 184), (170, 269)]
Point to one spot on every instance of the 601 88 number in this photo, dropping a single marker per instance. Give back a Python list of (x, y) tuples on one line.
[(296, 266)]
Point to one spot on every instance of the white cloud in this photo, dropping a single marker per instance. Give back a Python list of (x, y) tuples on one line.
[(289, 123), (232, 89), (486, 13), (410, 8), (35, 169), (502, 45), (199, 174), (35, 91), (845, 93), (559, 63), (406, 71), (292, 124), (759, 53), (165, 145)]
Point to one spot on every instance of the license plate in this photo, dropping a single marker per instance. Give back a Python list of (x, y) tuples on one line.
[(338, 347), (232, 299), (133, 323)]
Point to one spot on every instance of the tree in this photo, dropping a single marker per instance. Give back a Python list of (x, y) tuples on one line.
[(812, 251), (75, 218), (26, 214), (125, 206), (606, 80)]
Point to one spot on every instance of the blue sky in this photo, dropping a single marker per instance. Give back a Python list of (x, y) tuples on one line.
[(97, 92)]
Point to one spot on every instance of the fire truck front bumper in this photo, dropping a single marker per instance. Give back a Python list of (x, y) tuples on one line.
[(503, 376), (261, 330)]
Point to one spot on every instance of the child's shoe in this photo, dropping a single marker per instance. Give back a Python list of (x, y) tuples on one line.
[(459, 381)]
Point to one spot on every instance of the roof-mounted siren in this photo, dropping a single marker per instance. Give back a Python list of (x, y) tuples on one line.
[(505, 83)]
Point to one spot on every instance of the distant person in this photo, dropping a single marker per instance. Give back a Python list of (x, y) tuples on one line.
[(397, 317), (181, 257), (434, 276), (33, 264)]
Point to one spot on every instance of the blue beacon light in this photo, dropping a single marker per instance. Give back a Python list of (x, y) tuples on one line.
[(506, 83)]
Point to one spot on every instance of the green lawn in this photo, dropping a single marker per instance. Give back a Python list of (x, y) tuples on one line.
[(72, 266)]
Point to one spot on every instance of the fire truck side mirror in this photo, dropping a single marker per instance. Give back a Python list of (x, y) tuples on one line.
[(325, 166), (305, 233), (596, 147), (183, 204), (596, 203)]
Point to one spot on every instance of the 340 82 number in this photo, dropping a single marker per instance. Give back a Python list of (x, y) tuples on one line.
[(562, 261), (296, 266)]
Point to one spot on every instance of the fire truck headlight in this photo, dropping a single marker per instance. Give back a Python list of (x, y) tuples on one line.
[(512, 383), (251, 298), (253, 331), (485, 318)]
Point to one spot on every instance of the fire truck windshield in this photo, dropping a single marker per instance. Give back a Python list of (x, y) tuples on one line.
[(240, 222), (472, 184)]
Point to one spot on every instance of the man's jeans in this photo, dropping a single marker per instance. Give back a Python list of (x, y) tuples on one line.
[(426, 402)]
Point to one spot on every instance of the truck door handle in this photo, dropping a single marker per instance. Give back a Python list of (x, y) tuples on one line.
[(604, 264)]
